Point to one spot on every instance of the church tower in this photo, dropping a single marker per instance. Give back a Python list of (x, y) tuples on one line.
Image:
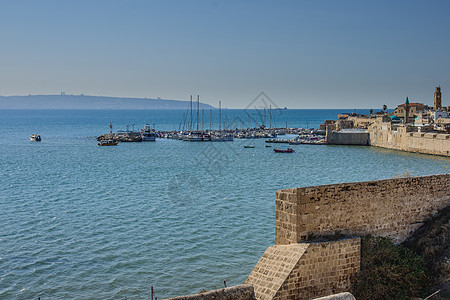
[(437, 98)]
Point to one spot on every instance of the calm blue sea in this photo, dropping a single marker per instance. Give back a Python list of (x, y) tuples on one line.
[(89, 222)]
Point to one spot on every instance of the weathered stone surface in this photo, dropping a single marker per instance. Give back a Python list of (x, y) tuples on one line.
[(392, 208), (239, 292), (384, 135), (347, 138), (340, 296), (306, 270)]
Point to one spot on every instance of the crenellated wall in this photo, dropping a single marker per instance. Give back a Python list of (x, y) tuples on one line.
[(392, 208)]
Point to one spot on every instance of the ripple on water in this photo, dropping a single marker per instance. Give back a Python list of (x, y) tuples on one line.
[(112, 222)]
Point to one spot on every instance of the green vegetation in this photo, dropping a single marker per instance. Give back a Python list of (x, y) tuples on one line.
[(389, 271), (432, 242)]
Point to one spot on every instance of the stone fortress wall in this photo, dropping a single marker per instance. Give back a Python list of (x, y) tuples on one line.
[(306, 270), (347, 138), (296, 268), (391, 208), (382, 134)]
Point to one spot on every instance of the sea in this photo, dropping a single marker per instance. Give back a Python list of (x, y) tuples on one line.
[(79, 221)]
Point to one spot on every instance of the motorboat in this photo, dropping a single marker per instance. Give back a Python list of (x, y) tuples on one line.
[(148, 134), (108, 143), (35, 138), (287, 150)]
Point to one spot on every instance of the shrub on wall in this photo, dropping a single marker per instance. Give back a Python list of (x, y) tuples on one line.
[(388, 271)]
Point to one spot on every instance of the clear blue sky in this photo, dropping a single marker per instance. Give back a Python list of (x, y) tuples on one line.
[(303, 54)]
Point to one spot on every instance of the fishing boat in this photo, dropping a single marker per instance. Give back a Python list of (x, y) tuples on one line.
[(148, 134), (107, 143), (287, 150), (35, 138)]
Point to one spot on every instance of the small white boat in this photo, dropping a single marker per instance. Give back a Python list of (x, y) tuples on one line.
[(35, 138)]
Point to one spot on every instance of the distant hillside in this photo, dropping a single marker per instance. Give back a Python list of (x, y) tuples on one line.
[(90, 102)]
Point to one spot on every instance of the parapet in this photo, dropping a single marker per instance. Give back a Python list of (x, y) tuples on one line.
[(391, 208)]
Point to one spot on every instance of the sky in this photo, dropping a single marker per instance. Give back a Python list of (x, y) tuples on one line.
[(300, 54)]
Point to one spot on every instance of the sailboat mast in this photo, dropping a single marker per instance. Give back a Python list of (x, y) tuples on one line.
[(264, 123), (270, 116), (210, 119), (190, 122), (203, 113), (198, 106), (220, 116)]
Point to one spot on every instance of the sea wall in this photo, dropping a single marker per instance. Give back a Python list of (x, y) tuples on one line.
[(400, 138), (238, 292), (306, 270), (392, 208), (347, 138)]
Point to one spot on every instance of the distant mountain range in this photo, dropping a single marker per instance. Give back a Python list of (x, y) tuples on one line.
[(91, 102)]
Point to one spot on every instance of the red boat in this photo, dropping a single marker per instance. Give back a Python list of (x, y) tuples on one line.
[(288, 150)]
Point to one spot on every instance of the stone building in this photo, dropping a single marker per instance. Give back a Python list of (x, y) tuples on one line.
[(407, 111)]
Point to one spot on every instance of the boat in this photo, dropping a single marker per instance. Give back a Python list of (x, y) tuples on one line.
[(108, 143), (35, 138), (197, 137), (148, 134), (295, 142), (287, 150), (221, 138), (268, 146), (249, 146)]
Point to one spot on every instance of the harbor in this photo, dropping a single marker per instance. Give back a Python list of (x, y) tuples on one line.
[(144, 202), (272, 135)]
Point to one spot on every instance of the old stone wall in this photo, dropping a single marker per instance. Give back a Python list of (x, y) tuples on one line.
[(239, 292), (347, 138), (399, 138), (340, 296), (392, 208), (306, 270)]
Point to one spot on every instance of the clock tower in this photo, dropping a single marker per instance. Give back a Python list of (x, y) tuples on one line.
[(437, 98)]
